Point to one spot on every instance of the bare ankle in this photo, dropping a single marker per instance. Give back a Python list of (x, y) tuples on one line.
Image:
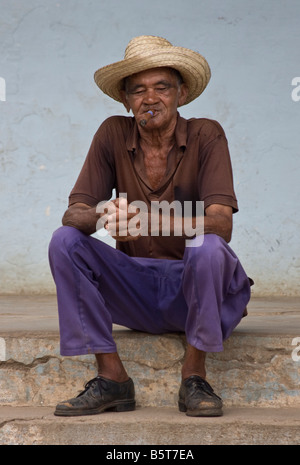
[(194, 363), (111, 367), (187, 373)]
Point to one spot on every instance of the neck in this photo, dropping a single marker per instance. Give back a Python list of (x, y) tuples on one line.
[(159, 137)]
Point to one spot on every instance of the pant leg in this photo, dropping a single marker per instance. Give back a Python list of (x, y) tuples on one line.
[(97, 286), (204, 295), (216, 289)]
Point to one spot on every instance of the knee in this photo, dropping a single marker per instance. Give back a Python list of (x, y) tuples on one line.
[(63, 238), (206, 249), (213, 243)]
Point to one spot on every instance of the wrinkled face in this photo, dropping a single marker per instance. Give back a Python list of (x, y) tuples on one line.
[(157, 89)]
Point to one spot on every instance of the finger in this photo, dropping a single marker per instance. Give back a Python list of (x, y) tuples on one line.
[(117, 224), (122, 203)]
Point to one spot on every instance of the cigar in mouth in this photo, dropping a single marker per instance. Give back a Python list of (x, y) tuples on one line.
[(146, 118)]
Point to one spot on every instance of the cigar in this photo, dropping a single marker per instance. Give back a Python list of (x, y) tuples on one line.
[(147, 117)]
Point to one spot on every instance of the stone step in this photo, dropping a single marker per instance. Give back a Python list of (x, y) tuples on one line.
[(150, 426), (259, 366)]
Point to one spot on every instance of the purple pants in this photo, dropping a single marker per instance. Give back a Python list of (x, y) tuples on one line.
[(203, 295)]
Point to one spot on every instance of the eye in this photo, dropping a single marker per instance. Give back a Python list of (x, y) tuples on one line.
[(138, 91)]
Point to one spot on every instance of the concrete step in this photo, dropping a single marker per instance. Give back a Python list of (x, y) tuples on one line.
[(259, 367), (150, 426)]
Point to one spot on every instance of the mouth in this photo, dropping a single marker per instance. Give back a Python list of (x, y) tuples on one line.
[(148, 115), (153, 111)]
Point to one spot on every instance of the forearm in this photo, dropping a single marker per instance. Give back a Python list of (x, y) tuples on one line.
[(222, 226), (217, 220), (82, 217)]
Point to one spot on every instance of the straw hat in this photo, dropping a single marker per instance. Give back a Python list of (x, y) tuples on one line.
[(146, 52)]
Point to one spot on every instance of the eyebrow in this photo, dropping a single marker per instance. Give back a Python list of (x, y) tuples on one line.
[(163, 82), (175, 72)]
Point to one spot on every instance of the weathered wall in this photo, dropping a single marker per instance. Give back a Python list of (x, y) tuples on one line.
[(48, 54)]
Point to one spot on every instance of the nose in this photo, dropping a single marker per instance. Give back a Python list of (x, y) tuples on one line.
[(150, 96)]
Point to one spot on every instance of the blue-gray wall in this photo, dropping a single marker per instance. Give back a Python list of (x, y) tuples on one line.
[(49, 51)]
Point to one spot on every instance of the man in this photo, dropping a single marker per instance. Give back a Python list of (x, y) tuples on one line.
[(151, 282)]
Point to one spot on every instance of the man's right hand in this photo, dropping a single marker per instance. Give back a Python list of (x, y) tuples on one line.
[(115, 217)]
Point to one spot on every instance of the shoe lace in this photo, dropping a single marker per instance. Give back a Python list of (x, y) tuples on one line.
[(88, 385), (198, 382)]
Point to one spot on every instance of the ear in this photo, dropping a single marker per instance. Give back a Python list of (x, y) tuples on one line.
[(123, 96), (183, 94)]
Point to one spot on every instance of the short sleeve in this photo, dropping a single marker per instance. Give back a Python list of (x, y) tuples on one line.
[(215, 178), (96, 179)]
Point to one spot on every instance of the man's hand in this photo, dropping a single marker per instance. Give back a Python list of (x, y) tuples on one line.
[(122, 221)]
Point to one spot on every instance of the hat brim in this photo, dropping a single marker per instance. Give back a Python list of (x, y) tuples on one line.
[(192, 66)]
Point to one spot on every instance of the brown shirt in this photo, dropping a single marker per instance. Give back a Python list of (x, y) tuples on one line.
[(198, 168)]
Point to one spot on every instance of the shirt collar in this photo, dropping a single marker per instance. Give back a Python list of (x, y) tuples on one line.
[(180, 134)]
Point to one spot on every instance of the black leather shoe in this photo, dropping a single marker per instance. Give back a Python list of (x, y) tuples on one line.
[(197, 398), (100, 394)]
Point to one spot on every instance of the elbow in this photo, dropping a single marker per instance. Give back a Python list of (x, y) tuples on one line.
[(64, 220), (227, 230), (228, 237), (69, 218), (228, 233)]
